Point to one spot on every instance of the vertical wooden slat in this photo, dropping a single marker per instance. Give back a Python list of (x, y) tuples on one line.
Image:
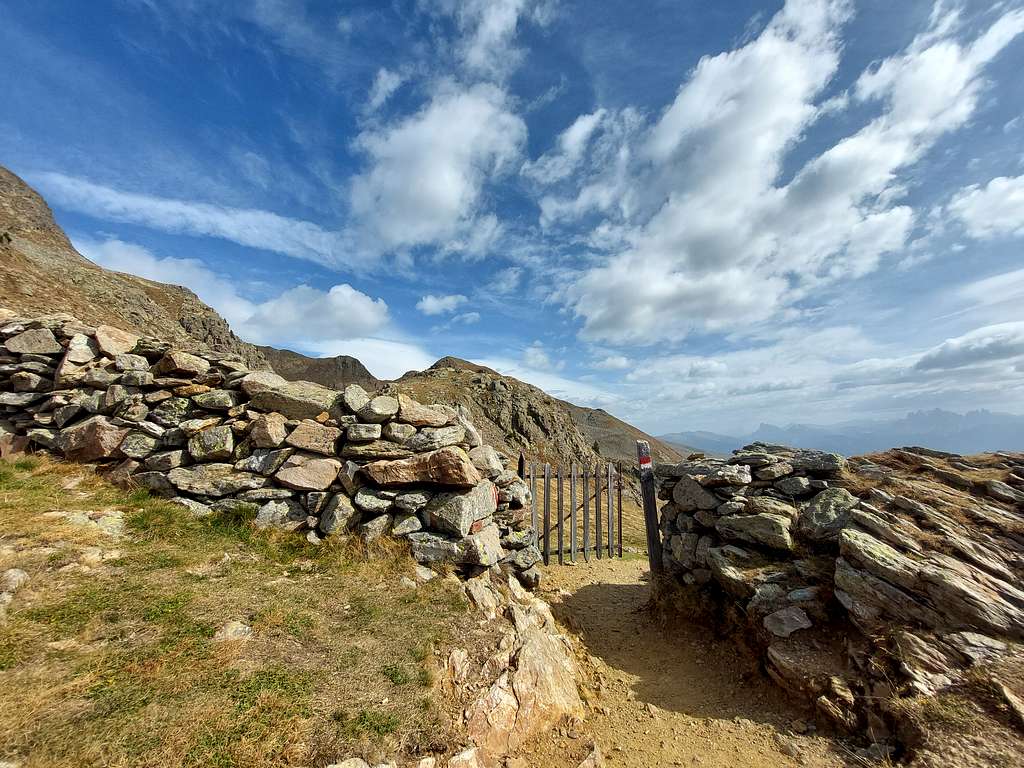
[(643, 455), (533, 500), (597, 509), (611, 512), (586, 515), (547, 514), (618, 529), (572, 513), (561, 521)]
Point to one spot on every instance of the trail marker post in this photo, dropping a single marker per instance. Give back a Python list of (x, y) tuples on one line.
[(643, 456)]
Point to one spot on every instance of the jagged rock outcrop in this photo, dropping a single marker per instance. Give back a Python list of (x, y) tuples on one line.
[(203, 429), (862, 584), (41, 270)]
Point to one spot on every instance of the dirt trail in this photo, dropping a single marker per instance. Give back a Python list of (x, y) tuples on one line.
[(679, 698)]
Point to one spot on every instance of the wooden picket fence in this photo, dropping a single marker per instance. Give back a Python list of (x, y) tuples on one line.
[(567, 516)]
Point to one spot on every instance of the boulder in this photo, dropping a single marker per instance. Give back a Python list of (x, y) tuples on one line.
[(217, 400), (138, 445), (260, 381), (373, 501), (484, 547), (315, 437), (295, 399), (214, 480), (786, 621), (430, 547), (432, 438), (396, 431), (285, 514), (455, 513), (406, 524), (794, 486), (690, 496), (376, 527), (727, 474), (827, 514), (447, 466), (309, 474), (486, 459), (764, 529), (355, 398), (419, 415), (37, 341), (114, 341), (93, 439)]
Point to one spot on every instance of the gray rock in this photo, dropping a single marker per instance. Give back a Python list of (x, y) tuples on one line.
[(355, 398), (214, 480), (412, 501), (817, 461), (295, 400), (375, 528), (455, 513), (260, 381), (38, 341), (764, 529), (794, 486), (304, 474), (397, 432), (689, 495), (213, 444), (217, 400), (350, 478), (484, 547), (264, 461), (727, 474), (524, 557), (785, 622), (827, 514), (879, 558), (429, 547), (166, 460), (406, 524), (195, 507), (129, 362), (361, 433), (379, 409), (285, 514), (774, 471), (138, 445), (768, 505), (486, 459), (339, 516), (373, 501)]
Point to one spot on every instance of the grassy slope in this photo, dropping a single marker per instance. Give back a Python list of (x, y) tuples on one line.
[(108, 657)]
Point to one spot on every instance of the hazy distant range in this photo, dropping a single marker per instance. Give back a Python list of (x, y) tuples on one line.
[(973, 432)]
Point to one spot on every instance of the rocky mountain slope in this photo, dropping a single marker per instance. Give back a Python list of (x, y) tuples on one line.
[(41, 272), (335, 372)]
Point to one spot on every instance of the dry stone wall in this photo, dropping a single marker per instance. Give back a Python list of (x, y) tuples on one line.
[(852, 602), (212, 435)]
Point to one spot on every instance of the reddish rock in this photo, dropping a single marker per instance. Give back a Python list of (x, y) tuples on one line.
[(91, 440), (447, 466)]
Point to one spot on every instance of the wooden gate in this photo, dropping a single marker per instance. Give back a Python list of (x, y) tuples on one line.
[(569, 501)]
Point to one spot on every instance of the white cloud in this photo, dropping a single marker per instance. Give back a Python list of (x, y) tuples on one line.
[(702, 236), (579, 392), (612, 363), (993, 210), (440, 305), (467, 318), (487, 47), (535, 356), (299, 317), (385, 84), (989, 344), (572, 142), (384, 358), (427, 171), (248, 227)]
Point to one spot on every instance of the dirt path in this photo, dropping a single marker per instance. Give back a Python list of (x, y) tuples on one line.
[(672, 699)]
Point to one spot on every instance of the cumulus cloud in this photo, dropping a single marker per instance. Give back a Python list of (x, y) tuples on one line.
[(300, 316), (558, 164), (536, 356), (612, 363), (384, 358), (249, 227), (993, 210), (703, 236), (427, 171), (440, 305)]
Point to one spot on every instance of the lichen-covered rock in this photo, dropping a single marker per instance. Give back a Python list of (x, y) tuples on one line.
[(433, 438), (455, 513), (339, 515), (314, 437), (285, 514), (268, 430), (690, 496), (363, 433), (214, 480), (296, 400), (766, 530), (826, 514), (213, 444), (37, 341), (374, 450)]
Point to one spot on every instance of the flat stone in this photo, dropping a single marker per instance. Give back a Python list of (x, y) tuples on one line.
[(690, 496), (178, 363), (314, 437), (785, 622), (362, 433), (419, 415), (166, 460), (295, 399), (217, 400), (264, 461), (773, 471), (879, 558), (765, 529), (37, 341), (767, 504), (115, 341), (447, 466), (727, 474), (261, 381), (377, 449), (129, 362), (412, 501), (312, 475), (432, 438), (214, 480), (395, 431)]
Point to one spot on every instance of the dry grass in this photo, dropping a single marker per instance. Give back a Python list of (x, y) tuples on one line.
[(108, 656)]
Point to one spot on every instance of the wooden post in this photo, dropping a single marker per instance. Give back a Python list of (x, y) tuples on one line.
[(547, 514), (597, 509), (618, 529), (572, 513), (643, 455), (611, 516), (586, 516), (533, 501), (561, 520)]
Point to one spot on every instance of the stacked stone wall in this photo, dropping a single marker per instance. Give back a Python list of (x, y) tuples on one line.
[(204, 430)]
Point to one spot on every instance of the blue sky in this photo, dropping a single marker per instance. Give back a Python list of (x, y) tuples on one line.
[(696, 215)]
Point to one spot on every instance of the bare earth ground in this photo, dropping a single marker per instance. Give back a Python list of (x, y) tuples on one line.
[(670, 698)]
